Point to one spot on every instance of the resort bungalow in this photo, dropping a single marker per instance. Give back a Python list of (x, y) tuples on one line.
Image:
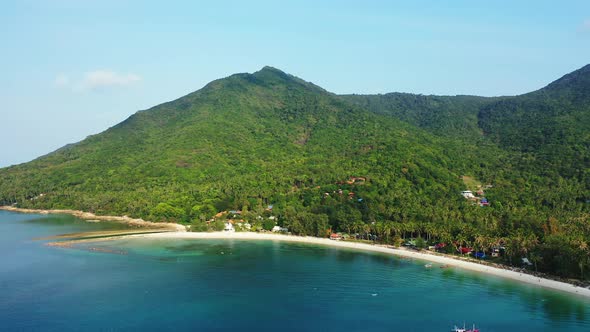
[(465, 250), (479, 254), (279, 229), (496, 252), (229, 227), (410, 243), (440, 246), (335, 236), (526, 261), (467, 194), (220, 214)]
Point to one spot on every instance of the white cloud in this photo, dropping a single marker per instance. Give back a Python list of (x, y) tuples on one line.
[(99, 79), (96, 80), (61, 80)]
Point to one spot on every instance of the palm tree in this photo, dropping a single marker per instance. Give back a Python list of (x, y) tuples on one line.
[(444, 234), (535, 258), (419, 229), (410, 227), (429, 229), (358, 227), (481, 242), (583, 257), (387, 229), (530, 243), (379, 229), (513, 247), (395, 228), (460, 239), (367, 229)]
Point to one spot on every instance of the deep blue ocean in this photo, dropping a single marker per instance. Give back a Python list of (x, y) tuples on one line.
[(229, 285)]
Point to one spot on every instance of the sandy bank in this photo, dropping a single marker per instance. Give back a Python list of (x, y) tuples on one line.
[(94, 218), (176, 231), (443, 260)]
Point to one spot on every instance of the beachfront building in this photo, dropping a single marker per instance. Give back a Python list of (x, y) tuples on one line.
[(495, 251), (335, 236), (229, 227), (279, 229)]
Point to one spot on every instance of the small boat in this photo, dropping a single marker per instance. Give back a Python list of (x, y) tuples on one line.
[(429, 265), (463, 329)]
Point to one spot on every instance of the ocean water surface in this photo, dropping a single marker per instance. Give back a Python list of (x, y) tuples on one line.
[(225, 285)]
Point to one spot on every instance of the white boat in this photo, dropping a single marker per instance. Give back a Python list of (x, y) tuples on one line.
[(463, 329)]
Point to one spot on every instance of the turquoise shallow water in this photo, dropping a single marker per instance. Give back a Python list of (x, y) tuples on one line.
[(223, 285)]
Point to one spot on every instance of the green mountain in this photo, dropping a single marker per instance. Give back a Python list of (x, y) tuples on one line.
[(242, 142), (550, 127), (390, 166), (442, 115)]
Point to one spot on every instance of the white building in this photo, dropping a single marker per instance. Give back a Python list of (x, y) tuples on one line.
[(280, 229), (229, 227), (467, 194)]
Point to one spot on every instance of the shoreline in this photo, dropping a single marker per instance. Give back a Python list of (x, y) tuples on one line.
[(420, 255), (91, 217), (177, 231)]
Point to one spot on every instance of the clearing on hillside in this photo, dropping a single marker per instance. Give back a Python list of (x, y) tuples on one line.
[(471, 183)]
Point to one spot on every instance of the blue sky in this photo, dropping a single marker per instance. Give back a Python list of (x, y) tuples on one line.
[(72, 68)]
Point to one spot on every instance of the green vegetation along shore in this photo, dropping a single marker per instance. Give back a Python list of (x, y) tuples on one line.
[(387, 167)]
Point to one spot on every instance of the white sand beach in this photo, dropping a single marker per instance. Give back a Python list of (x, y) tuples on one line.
[(421, 255), (170, 230)]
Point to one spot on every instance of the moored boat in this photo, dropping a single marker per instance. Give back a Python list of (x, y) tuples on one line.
[(464, 329)]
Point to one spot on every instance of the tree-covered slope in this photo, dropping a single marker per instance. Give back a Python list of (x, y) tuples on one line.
[(551, 126), (534, 148), (454, 116), (242, 142), (389, 165)]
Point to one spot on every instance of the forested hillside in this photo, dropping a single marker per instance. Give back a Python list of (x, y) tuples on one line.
[(389, 166), (550, 128), (443, 115), (242, 142)]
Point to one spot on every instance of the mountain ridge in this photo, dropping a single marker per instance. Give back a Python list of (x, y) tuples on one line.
[(357, 99), (388, 165), (579, 78)]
